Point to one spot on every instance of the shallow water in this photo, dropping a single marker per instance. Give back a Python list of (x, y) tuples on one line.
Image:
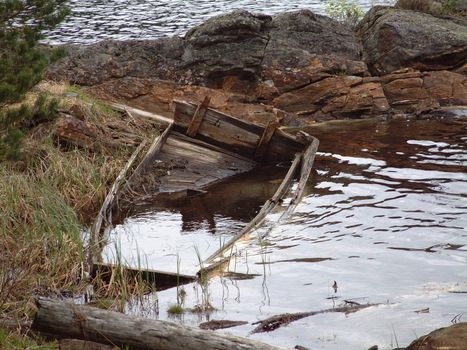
[(385, 217), (94, 20)]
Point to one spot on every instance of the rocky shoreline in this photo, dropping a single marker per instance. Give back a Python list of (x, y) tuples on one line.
[(395, 62)]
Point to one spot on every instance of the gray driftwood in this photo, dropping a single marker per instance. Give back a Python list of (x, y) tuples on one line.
[(277, 321), (268, 206), (96, 227), (59, 319)]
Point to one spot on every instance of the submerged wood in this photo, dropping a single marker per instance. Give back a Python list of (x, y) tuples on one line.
[(93, 249), (160, 280), (277, 321), (195, 164), (221, 324), (259, 218), (306, 159), (58, 319), (151, 154)]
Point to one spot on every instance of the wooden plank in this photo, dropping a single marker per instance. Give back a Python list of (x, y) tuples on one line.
[(268, 206), (234, 134), (307, 165), (265, 138), (202, 163), (58, 319), (159, 279), (198, 117), (135, 112), (219, 129), (151, 154), (94, 246)]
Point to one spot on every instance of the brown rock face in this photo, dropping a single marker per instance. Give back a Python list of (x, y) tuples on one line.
[(157, 96), (338, 96), (449, 338), (394, 38), (411, 89)]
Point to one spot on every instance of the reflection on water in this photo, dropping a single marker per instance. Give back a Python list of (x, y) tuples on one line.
[(384, 222), (95, 20)]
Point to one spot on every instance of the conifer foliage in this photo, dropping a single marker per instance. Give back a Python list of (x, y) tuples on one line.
[(22, 61), (22, 23)]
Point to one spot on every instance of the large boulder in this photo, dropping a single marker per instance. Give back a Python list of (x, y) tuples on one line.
[(395, 38), (304, 47), (94, 64), (237, 52), (227, 45), (449, 338)]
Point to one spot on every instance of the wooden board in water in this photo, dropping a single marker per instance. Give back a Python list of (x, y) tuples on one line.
[(197, 163), (234, 134)]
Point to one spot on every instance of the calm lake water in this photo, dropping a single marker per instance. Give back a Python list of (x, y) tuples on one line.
[(385, 217), (95, 20)]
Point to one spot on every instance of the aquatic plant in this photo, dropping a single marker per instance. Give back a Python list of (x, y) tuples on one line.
[(175, 309), (346, 11)]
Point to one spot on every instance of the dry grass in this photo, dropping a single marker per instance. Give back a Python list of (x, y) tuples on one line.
[(49, 198)]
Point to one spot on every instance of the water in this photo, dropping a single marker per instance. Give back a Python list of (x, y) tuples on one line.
[(94, 20), (385, 217)]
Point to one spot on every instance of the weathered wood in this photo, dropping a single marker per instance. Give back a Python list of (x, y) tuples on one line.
[(277, 321), (135, 112), (259, 218), (307, 164), (93, 249), (15, 325), (59, 319), (161, 280), (198, 117), (266, 138), (234, 134), (198, 163), (151, 154)]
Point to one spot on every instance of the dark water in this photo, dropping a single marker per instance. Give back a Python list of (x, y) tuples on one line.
[(385, 217), (95, 20)]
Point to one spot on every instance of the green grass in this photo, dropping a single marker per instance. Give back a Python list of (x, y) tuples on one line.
[(48, 199), (11, 341), (175, 309)]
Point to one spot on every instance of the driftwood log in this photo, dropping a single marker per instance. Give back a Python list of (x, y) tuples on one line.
[(94, 246), (277, 321), (59, 319)]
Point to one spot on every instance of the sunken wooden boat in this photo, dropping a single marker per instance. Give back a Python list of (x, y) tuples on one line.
[(199, 147)]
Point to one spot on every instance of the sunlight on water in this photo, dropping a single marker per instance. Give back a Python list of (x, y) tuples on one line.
[(385, 218), (94, 20)]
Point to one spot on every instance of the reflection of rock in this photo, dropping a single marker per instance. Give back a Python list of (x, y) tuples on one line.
[(394, 38), (449, 338)]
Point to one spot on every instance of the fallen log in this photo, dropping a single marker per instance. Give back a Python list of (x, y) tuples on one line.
[(58, 319), (277, 321)]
